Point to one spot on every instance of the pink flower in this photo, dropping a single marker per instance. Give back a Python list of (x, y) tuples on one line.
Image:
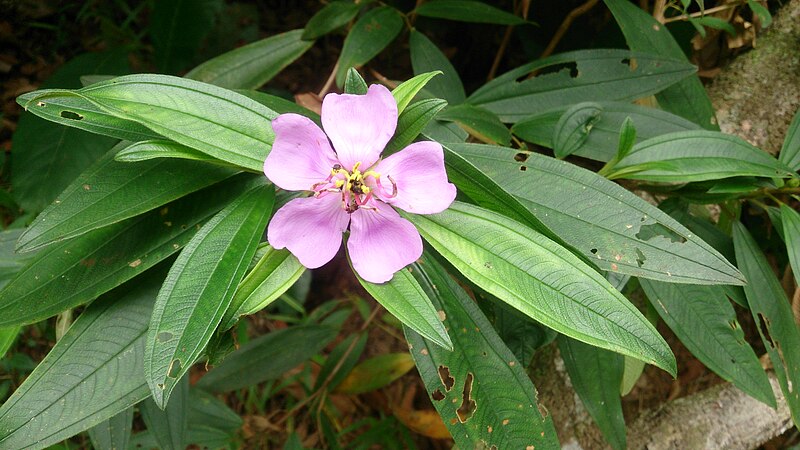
[(353, 185)]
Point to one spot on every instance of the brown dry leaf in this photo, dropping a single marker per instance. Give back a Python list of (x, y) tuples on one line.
[(426, 422), (310, 101)]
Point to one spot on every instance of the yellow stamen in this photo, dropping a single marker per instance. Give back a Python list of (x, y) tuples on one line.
[(365, 189)]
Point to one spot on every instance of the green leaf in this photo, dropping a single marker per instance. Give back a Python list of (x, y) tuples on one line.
[(573, 128), (178, 28), (111, 191), (596, 375), (47, 157), (536, 276), (266, 357), (761, 12), (206, 409), (790, 220), (154, 149), (602, 143), (7, 337), (200, 286), (407, 301), (343, 364), (77, 112), (75, 272), (479, 122), (170, 425), (354, 83), (280, 105), (772, 315), (706, 324), (579, 76), (688, 97), (613, 227), (253, 65), (412, 121), (407, 90), (426, 57), (93, 373), (222, 123), (331, 17), (627, 138), (717, 24), (369, 36), (113, 433), (468, 11), (481, 391), (376, 373), (790, 151), (274, 274), (697, 156)]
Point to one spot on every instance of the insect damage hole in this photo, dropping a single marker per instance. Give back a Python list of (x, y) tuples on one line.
[(632, 63), (174, 368), (447, 380), (570, 68), (521, 157), (468, 405), (71, 115), (437, 395), (523, 168)]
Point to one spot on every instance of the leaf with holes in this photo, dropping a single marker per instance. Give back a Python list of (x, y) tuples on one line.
[(216, 121), (686, 98), (613, 227), (772, 314), (369, 36), (266, 357), (538, 277), (200, 286), (596, 375), (705, 322), (407, 301), (103, 348), (252, 65), (601, 144), (47, 157), (697, 156), (274, 274), (73, 273), (426, 57), (579, 76), (111, 191), (468, 11), (479, 122), (481, 391)]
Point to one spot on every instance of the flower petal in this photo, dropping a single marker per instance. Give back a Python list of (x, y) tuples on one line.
[(311, 228), (300, 155), (418, 171), (360, 126), (381, 242)]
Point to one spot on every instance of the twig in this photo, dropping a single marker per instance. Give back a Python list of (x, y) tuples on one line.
[(524, 7), (329, 82), (701, 13), (658, 10), (574, 14)]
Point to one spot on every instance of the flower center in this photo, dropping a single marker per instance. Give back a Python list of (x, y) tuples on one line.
[(353, 188)]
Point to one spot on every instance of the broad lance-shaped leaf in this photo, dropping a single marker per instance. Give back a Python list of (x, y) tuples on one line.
[(252, 65), (274, 274), (332, 16), (177, 29), (478, 122), (697, 156), (222, 123), (603, 138), (267, 357), (584, 75), (426, 57), (77, 112), (199, 288), (481, 390), (412, 121), (169, 426), (791, 235), (773, 316), (596, 375), (686, 98), (113, 433), (94, 372), (790, 151), (369, 36), (77, 271), (405, 299), (468, 11), (538, 277), (614, 228), (705, 322), (159, 148), (405, 92), (112, 191)]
